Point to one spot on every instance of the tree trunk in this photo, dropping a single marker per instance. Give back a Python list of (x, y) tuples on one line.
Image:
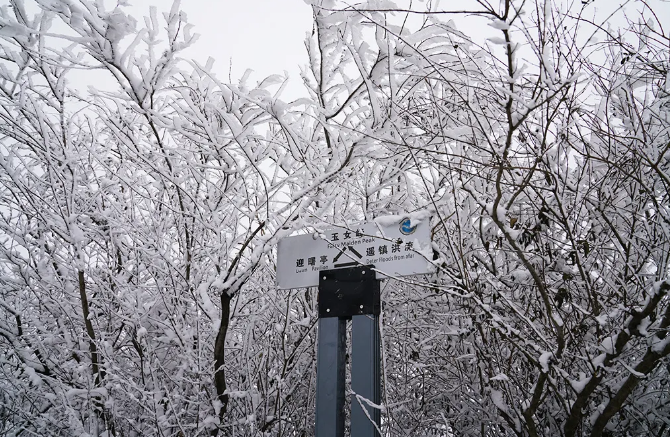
[(219, 349)]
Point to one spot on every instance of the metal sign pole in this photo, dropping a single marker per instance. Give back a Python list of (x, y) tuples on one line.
[(365, 376), (330, 377), (343, 294)]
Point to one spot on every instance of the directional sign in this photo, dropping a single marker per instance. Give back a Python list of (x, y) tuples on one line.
[(395, 245)]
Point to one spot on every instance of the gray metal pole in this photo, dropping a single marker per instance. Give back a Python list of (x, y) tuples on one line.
[(365, 375), (330, 371)]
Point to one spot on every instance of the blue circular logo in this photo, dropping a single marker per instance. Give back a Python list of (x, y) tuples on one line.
[(406, 226)]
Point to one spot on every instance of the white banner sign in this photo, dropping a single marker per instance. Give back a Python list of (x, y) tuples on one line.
[(395, 245)]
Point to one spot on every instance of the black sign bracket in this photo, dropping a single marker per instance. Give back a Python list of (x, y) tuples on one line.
[(349, 292)]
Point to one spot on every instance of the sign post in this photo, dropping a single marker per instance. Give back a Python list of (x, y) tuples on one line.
[(365, 376), (347, 265), (330, 377), (344, 294)]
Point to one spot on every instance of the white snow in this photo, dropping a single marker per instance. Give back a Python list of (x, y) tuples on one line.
[(500, 211), (32, 375), (659, 345), (644, 324), (207, 303), (608, 344), (520, 276), (544, 361), (557, 318), (500, 377), (496, 40), (497, 398), (578, 386), (13, 30), (388, 220), (602, 320), (499, 24), (599, 360)]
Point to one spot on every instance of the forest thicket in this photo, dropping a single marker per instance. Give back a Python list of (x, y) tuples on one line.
[(138, 226)]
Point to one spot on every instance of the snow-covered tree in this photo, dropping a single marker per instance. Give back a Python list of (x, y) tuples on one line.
[(128, 214), (138, 220), (542, 154)]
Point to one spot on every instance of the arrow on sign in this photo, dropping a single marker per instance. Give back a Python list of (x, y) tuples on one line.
[(349, 264)]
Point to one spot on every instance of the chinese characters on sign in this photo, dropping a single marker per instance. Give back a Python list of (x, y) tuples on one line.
[(395, 246), (369, 252)]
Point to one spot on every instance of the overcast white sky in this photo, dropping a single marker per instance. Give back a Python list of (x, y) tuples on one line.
[(266, 36)]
